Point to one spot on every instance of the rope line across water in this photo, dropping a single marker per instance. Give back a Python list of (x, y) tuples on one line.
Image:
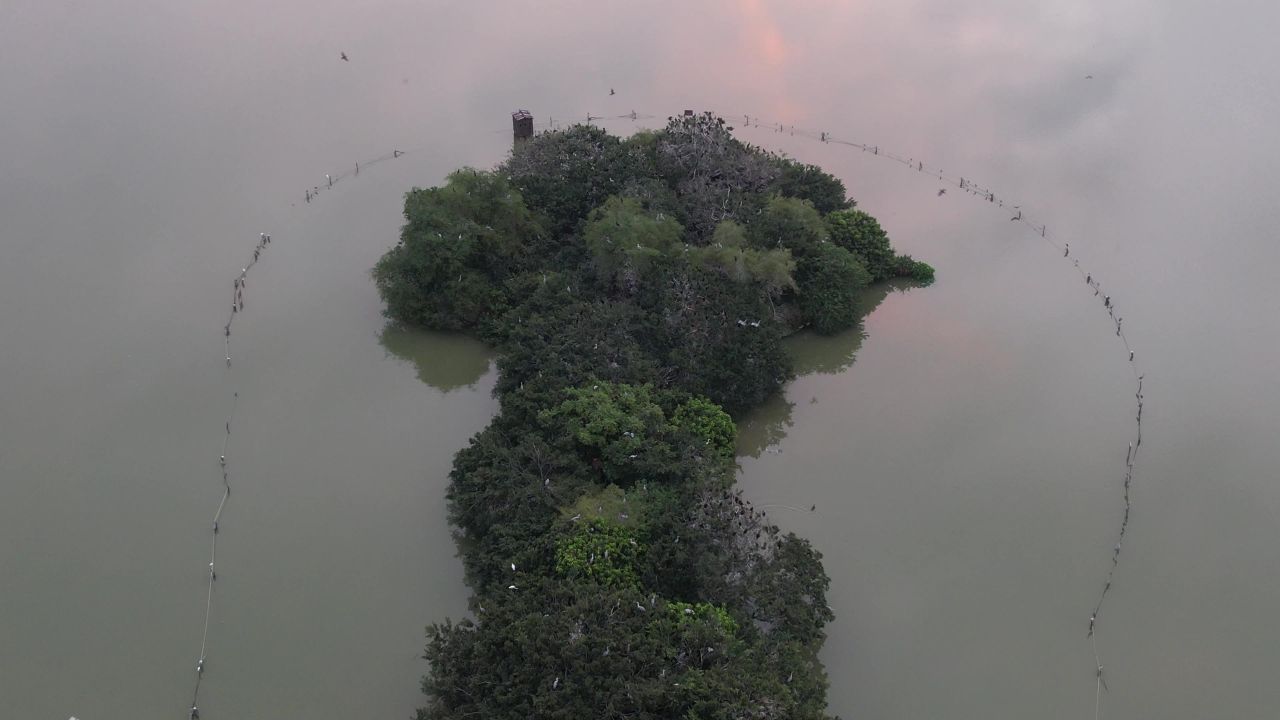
[(238, 286), (984, 193)]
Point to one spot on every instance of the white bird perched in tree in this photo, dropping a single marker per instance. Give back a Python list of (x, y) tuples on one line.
[(513, 567)]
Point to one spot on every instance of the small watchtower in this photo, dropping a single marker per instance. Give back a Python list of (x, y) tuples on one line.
[(521, 125)]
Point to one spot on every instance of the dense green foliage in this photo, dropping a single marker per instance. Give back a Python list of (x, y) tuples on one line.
[(600, 551), (460, 244), (637, 292), (709, 422), (861, 234), (834, 278)]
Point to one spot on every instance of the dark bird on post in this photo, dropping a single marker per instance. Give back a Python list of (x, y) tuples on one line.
[(344, 56)]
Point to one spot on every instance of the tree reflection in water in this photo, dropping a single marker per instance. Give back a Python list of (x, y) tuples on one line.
[(445, 361), (811, 353)]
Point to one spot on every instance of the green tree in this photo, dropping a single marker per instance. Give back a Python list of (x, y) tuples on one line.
[(560, 337), (624, 239), (861, 234), (599, 550), (505, 492), (717, 338), (459, 244), (565, 173), (710, 423), (566, 650), (830, 281), (715, 176), (729, 254), (812, 183), (788, 592), (789, 223), (905, 266), (619, 427)]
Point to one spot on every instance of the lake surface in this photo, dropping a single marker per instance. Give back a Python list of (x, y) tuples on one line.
[(964, 449)]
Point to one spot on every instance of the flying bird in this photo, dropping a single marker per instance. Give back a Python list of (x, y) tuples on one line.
[(1088, 77), (942, 191), (344, 56)]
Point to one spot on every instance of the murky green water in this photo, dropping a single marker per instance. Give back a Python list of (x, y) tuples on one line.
[(964, 457)]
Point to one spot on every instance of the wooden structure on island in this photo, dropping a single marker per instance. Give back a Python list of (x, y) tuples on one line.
[(521, 125)]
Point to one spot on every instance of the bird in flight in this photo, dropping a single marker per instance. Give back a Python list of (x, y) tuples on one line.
[(1088, 77), (942, 191), (344, 56)]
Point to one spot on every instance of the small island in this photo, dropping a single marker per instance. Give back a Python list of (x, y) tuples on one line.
[(637, 292)]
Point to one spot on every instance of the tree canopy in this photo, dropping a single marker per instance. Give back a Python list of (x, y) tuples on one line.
[(637, 292)]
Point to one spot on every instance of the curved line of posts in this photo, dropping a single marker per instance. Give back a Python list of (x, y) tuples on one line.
[(983, 193), (1102, 296), (238, 287), (960, 182)]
